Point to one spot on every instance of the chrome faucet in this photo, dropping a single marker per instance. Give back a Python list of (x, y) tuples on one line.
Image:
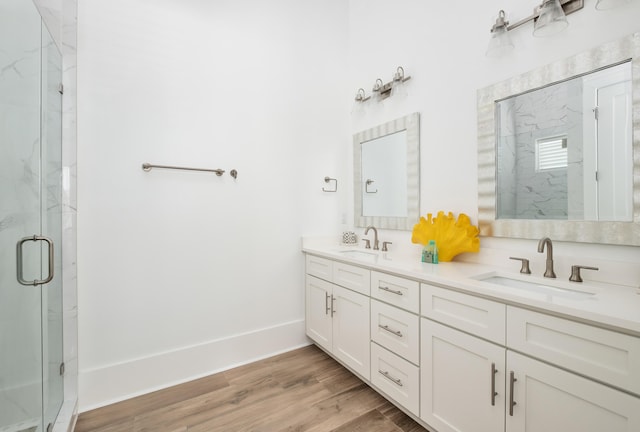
[(549, 268), (375, 236)]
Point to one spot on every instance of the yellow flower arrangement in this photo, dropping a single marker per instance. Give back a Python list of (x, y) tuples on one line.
[(452, 237)]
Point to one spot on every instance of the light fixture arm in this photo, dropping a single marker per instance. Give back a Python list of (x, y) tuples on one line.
[(568, 6)]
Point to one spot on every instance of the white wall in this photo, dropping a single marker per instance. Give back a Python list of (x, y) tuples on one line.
[(181, 273), (442, 46)]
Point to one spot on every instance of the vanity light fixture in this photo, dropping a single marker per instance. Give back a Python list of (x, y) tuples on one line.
[(500, 42), (549, 18), (382, 89)]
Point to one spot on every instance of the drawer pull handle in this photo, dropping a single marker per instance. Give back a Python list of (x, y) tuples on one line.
[(387, 289), (512, 403), (494, 393), (395, 332), (386, 374)]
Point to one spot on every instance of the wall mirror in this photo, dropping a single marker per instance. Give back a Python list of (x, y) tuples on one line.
[(386, 161), (557, 149)]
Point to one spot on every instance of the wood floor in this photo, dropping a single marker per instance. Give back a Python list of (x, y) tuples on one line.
[(302, 390)]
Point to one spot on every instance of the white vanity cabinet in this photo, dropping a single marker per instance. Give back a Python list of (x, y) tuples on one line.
[(477, 384), (337, 318), (462, 362)]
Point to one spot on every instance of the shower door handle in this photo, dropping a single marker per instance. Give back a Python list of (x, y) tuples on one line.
[(19, 274)]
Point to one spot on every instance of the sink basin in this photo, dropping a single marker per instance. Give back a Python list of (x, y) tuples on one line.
[(536, 287), (359, 254)]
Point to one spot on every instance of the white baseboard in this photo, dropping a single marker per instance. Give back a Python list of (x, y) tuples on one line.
[(106, 385)]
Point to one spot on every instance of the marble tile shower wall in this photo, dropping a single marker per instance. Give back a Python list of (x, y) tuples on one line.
[(526, 193)]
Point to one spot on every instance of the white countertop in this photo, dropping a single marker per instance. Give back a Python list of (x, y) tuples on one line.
[(611, 306)]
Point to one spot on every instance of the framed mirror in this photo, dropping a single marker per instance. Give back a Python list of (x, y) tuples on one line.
[(386, 161), (559, 149)]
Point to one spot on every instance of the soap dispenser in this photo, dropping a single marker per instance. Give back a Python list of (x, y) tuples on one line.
[(430, 253)]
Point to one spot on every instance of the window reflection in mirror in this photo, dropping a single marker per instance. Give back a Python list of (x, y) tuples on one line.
[(565, 151)]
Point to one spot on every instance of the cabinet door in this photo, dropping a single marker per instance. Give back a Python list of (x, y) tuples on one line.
[(351, 330), (318, 311), (548, 399), (462, 381)]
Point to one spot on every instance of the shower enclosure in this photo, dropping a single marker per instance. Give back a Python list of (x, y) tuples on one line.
[(31, 368)]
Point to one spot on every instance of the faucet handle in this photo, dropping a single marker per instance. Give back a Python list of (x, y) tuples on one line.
[(524, 269), (384, 246), (575, 272), (367, 244)]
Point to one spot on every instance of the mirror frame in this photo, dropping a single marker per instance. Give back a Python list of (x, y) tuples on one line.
[(621, 233), (410, 123)]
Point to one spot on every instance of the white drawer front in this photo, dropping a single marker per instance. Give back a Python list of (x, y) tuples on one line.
[(398, 291), (319, 267), (478, 316), (602, 354), (396, 377), (396, 329), (352, 277)]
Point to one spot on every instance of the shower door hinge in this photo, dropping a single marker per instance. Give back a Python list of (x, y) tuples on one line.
[(60, 88), (596, 112), (62, 369)]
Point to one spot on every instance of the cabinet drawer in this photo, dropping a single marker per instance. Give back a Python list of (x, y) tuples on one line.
[(396, 329), (478, 316), (352, 277), (602, 354), (398, 291), (319, 267), (396, 377)]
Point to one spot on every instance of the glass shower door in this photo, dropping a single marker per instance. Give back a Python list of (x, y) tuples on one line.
[(30, 315), (20, 306)]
